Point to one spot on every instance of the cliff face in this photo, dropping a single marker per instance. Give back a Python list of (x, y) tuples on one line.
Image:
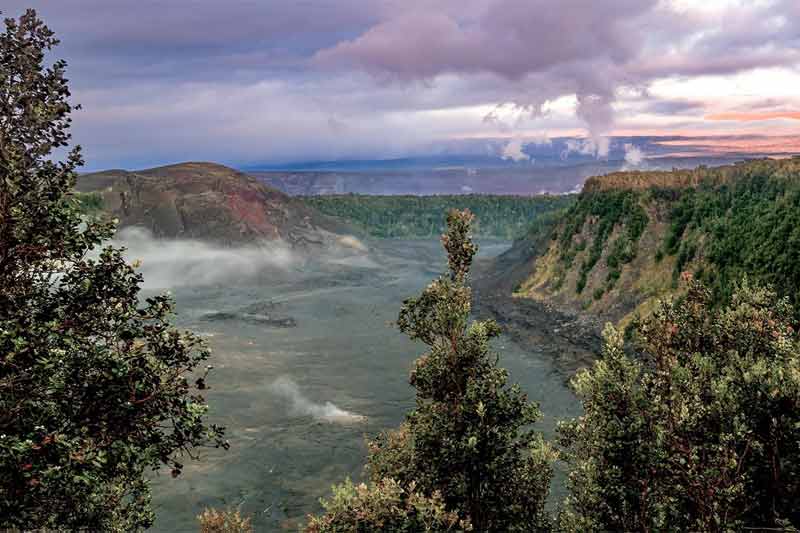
[(633, 237), (207, 201)]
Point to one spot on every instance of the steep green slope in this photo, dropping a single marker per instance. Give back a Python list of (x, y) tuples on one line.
[(631, 236), (505, 217)]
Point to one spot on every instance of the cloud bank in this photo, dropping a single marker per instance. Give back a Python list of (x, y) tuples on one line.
[(246, 82)]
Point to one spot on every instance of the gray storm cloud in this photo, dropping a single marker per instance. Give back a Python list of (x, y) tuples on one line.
[(204, 79), (572, 46), (562, 47), (511, 38)]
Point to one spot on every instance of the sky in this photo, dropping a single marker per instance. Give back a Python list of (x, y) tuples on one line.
[(245, 82)]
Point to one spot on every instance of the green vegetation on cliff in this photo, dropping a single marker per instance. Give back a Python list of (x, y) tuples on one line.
[(505, 217), (747, 226), (630, 236), (607, 210)]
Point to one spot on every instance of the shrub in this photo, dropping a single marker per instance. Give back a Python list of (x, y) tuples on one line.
[(697, 433), (226, 521), (384, 506)]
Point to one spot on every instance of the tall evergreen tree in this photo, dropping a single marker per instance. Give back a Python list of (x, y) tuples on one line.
[(95, 388), (468, 443), (700, 431)]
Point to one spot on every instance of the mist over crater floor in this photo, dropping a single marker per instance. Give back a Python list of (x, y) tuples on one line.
[(298, 401)]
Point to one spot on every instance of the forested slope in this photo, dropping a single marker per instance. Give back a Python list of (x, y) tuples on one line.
[(631, 237), (506, 217)]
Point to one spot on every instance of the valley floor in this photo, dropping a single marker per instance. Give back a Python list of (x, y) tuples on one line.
[(570, 340), (299, 400)]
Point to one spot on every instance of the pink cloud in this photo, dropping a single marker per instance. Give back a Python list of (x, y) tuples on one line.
[(743, 116)]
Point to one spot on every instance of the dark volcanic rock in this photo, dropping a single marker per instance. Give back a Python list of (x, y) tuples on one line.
[(572, 340), (250, 318), (208, 201), (258, 313)]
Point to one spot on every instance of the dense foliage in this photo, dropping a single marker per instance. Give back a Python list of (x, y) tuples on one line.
[(469, 442), (504, 217), (95, 389), (748, 224), (721, 224), (89, 203), (384, 506), (699, 431), (604, 211)]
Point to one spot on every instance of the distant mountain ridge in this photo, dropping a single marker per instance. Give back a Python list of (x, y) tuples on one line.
[(522, 179), (555, 151), (207, 201)]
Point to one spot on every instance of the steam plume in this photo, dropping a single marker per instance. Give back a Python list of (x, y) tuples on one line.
[(287, 389)]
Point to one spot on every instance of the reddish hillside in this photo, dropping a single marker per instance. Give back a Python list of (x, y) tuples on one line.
[(206, 201)]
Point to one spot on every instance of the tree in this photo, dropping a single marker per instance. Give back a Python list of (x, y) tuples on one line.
[(469, 441), (96, 388), (700, 431)]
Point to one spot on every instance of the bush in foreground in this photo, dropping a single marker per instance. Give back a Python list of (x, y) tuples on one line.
[(700, 431), (226, 521), (384, 506)]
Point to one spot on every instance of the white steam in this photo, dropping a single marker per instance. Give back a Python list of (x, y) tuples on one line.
[(513, 151), (349, 241), (634, 156), (299, 405), (596, 110), (575, 190), (168, 263), (597, 147)]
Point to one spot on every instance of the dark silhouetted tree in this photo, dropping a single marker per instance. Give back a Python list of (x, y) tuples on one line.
[(96, 387)]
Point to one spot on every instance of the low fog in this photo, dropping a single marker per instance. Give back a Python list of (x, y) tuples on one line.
[(174, 263)]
